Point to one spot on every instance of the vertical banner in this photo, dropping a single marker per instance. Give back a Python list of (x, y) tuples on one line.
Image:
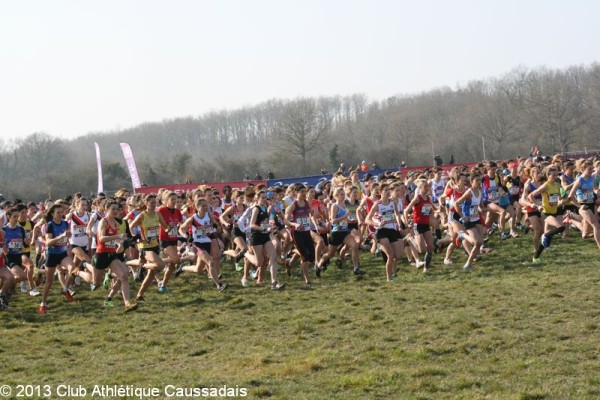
[(128, 154), (100, 183)]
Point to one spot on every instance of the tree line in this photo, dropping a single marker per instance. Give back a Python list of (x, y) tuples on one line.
[(557, 109)]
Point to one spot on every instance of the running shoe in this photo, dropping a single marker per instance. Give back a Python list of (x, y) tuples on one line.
[(239, 267), (358, 271), (468, 266), (420, 264), (308, 285), (109, 303), (447, 261), (245, 282), (504, 235), (253, 273), (485, 250), (492, 229), (140, 299), (179, 270), (536, 260), (131, 307), (318, 270), (68, 296), (277, 286), (222, 287), (34, 292), (24, 287), (42, 310), (92, 287)]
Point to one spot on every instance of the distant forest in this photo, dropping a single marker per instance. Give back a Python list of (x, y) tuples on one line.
[(559, 110)]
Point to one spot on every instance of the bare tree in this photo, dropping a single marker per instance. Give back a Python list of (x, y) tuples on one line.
[(299, 129)]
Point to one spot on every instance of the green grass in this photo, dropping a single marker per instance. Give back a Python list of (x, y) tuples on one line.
[(505, 330)]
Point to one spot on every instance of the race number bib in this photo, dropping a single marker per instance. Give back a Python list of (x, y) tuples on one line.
[(513, 190), (79, 231), (426, 210), (586, 197), (152, 233), (304, 222), (389, 217), (473, 212), (553, 199), (15, 245)]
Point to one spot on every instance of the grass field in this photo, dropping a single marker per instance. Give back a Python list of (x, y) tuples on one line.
[(505, 330)]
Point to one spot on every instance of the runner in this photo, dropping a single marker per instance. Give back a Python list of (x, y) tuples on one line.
[(108, 257), (299, 217), (260, 242), (552, 209), (340, 234), (150, 222), (582, 194), (423, 208), (57, 257), (385, 217), (202, 223), (468, 206)]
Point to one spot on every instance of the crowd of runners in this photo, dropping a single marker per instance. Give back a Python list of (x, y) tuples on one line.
[(263, 232)]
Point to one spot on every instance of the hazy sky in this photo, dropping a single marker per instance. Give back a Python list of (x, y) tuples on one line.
[(72, 67)]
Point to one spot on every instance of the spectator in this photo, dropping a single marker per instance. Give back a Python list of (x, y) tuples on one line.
[(451, 158), (258, 177), (270, 174), (374, 165), (246, 177), (438, 160), (364, 167), (324, 171)]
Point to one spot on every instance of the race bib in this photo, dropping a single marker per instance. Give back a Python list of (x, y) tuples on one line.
[(389, 217), (426, 210), (152, 233), (64, 241), (79, 231), (493, 195), (264, 226), (172, 232), (15, 245), (513, 190), (200, 233), (473, 212), (304, 222), (343, 224), (553, 199), (586, 197)]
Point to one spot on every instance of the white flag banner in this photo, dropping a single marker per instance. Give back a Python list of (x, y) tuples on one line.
[(128, 154), (99, 162)]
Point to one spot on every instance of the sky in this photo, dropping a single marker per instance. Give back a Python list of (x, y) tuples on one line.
[(68, 68)]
